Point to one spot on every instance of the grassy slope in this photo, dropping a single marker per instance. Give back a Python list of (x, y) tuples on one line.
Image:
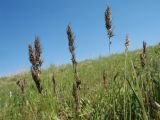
[(140, 94)]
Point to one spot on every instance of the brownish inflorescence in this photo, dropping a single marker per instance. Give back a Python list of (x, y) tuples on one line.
[(108, 24), (104, 80), (127, 42), (36, 61), (71, 49), (143, 55), (21, 84), (54, 82)]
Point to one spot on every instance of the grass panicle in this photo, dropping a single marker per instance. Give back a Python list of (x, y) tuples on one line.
[(104, 80), (22, 85), (72, 51), (143, 55), (127, 42), (108, 24), (54, 82), (36, 61), (76, 87), (38, 52)]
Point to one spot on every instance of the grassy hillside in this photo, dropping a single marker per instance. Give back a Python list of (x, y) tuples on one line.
[(121, 92)]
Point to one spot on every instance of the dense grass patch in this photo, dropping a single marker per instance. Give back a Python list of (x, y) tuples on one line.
[(141, 92)]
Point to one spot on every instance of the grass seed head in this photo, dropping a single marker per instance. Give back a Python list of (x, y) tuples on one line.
[(38, 51), (70, 38), (54, 82), (36, 61), (108, 22), (144, 47), (127, 42), (76, 84), (142, 59), (31, 54), (143, 55), (21, 84), (104, 79), (73, 57)]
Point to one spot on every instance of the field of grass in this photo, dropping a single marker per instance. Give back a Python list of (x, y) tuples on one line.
[(125, 91)]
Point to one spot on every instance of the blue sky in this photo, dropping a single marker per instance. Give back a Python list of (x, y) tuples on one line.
[(22, 20)]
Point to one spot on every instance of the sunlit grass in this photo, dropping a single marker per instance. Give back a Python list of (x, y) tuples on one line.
[(96, 102)]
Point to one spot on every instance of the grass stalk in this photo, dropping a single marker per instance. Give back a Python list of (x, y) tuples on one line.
[(138, 94), (76, 84), (125, 85)]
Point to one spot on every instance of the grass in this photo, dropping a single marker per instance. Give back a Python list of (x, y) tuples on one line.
[(96, 102)]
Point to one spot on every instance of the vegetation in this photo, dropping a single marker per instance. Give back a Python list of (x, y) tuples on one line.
[(35, 60), (119, 87), (96, 102), (76, 86), (108, 23)]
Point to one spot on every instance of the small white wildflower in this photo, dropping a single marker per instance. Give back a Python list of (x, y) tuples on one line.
[(27, 103), (10, 94)]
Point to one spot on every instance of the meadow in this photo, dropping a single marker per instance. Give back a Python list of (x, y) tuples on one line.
[(97, 100), (118, 87)]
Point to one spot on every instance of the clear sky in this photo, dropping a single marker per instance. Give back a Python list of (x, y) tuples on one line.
[(22, 20)]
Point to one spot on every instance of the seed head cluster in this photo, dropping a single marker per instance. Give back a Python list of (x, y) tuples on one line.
[(36, 61), (21, 84), (108, 23), (143, 55), (127, 43)]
